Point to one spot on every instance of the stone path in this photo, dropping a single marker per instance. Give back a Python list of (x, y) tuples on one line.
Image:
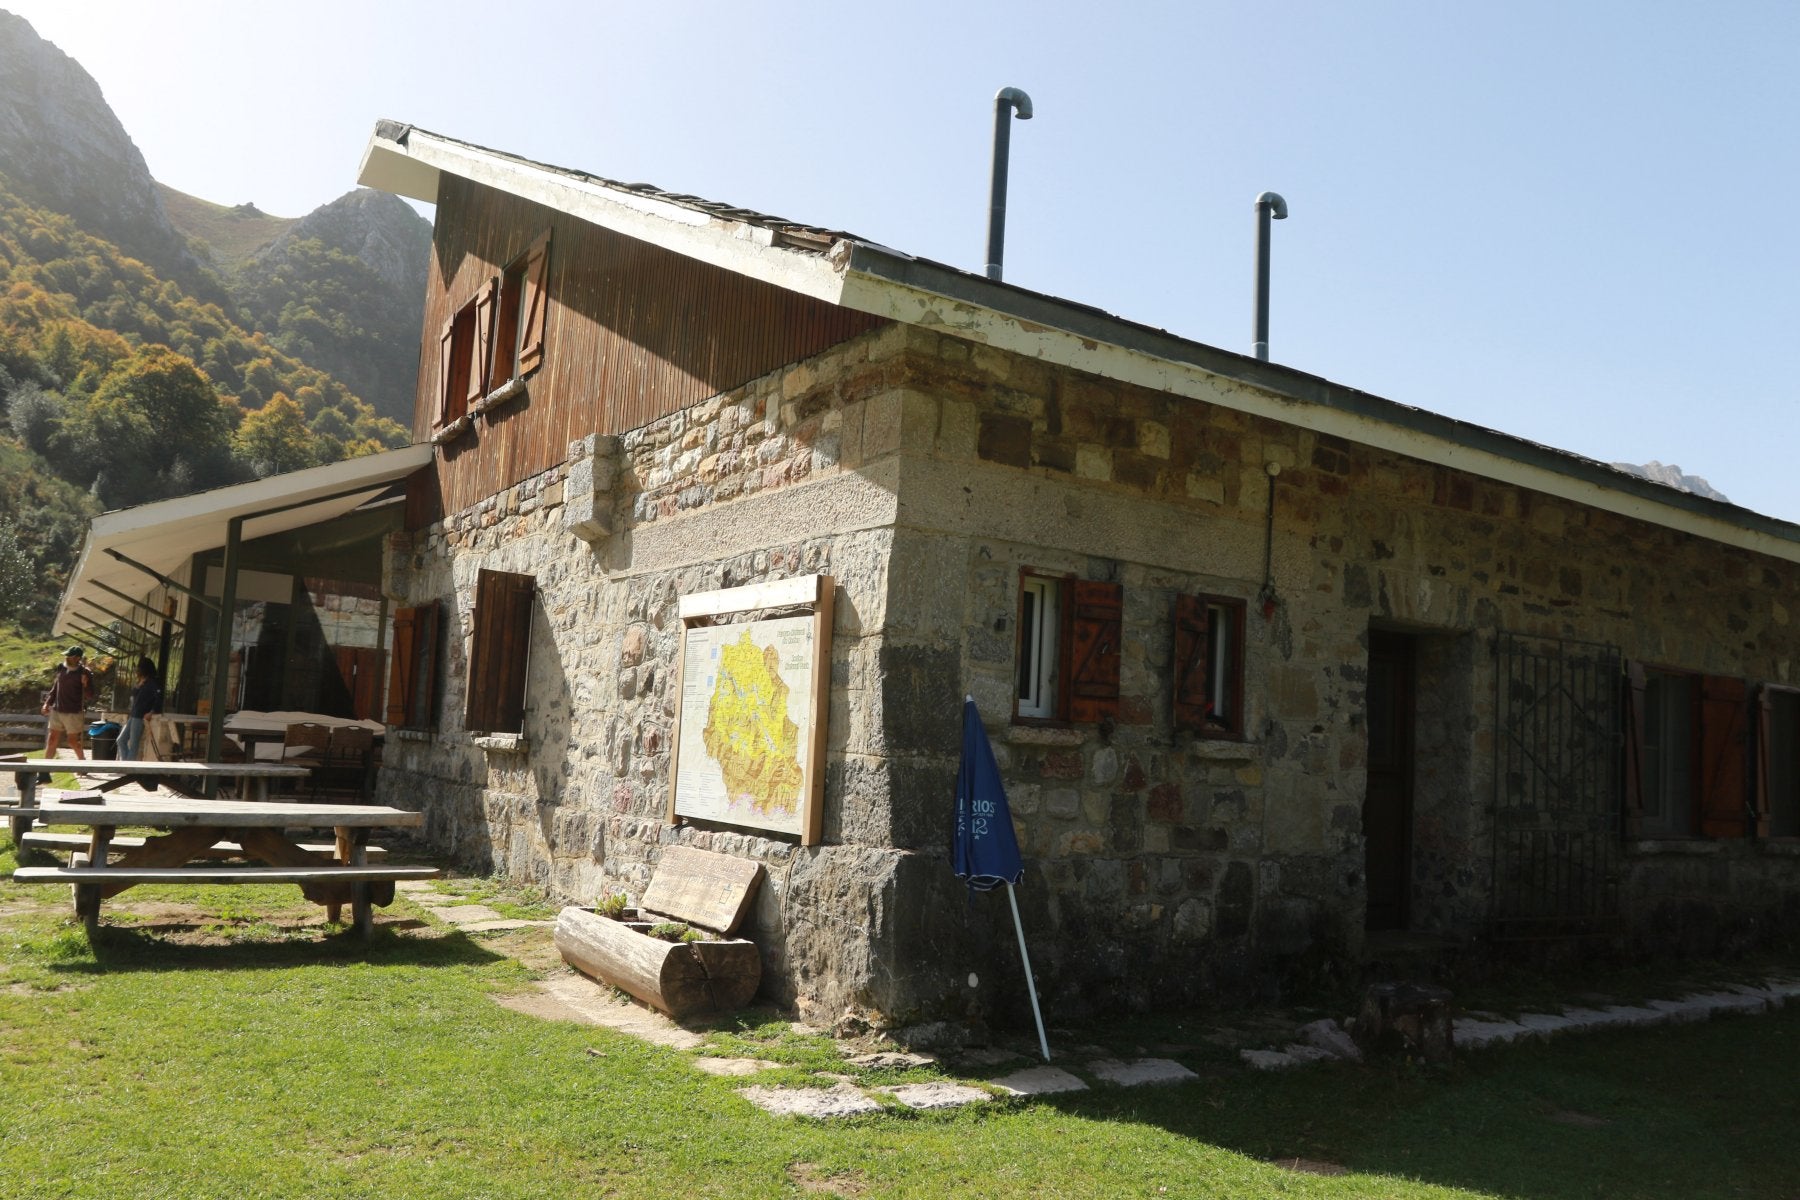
[(1324, 1040), (470, 918), (569, 995)]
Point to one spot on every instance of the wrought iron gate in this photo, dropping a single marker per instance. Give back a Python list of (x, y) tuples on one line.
[(1557, 795)]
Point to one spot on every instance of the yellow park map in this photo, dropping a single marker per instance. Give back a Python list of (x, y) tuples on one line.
[(746, 732)]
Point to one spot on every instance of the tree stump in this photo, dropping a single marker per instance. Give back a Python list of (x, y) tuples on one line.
[(1411, 1018)]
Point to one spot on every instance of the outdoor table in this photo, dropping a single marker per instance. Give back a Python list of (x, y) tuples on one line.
[(254, 727), (260, 828), (252, 778)]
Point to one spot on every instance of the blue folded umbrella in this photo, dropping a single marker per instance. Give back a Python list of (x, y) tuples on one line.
[(985, 852)]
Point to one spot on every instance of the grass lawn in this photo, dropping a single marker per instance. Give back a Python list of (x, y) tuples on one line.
[(237, 1051)]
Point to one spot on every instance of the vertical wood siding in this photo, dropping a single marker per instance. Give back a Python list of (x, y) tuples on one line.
[(634, 333)]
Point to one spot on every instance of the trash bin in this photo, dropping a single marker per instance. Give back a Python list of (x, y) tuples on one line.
[(103, 739)]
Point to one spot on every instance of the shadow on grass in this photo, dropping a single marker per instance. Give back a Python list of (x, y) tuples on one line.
[(119, 949), (1631, 1113)]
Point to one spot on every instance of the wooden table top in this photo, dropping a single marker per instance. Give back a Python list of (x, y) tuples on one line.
[(133, 766), (176, 812)]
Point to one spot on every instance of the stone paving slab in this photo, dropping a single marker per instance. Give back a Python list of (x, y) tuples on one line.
[(892, 1060), (585, 1000), (938, 1095), (502, 925), (987, 1057), (733, 1066), (465, 914), (1267, 1060), (1139, 1071), (844, 1100), (1039, 1081)]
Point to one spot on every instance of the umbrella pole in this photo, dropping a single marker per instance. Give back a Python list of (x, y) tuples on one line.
[(1030, 983)]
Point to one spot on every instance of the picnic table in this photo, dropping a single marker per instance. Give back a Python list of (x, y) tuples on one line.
[(252, 778), (195, 829)]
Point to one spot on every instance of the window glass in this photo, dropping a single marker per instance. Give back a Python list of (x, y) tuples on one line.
[(1784, 764), (1668, 767)]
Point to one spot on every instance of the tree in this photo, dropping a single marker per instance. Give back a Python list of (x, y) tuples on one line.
[(274, 438), (153, 424), (18, 574)]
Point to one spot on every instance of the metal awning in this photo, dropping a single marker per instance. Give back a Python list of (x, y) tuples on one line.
[(163, 536)]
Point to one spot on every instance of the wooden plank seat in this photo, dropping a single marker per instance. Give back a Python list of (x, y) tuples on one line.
[(708, 892), (326, 883), (333, 878), (41, 840)]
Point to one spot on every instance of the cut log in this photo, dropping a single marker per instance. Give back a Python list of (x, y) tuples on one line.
[(679, 978), (1411, 1018)]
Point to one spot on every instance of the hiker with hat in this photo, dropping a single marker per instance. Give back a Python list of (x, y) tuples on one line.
[(66, 702)]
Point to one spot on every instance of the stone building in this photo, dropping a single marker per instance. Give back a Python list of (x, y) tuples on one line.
[(1270, 664)]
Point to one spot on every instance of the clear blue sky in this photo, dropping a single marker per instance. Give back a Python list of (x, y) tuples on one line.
[(1569, 221)]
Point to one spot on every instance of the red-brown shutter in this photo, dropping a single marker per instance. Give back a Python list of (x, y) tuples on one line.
[(481, 344), (1724, 744), (423, 679), (446, 371), (1634, 750), (1192, 644), (400, 667), (1765, 730), (1095, 633), (498, 657), (534, 307)]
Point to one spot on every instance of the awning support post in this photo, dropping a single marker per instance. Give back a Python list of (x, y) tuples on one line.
[(215, 724)]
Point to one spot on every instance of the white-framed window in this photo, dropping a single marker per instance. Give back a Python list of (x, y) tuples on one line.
[(1209, 666), (1040, 638)]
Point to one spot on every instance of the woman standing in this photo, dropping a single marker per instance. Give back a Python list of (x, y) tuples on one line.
[(146, 698)]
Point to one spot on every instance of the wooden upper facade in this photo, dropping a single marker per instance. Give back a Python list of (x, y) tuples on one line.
[(629, 332)]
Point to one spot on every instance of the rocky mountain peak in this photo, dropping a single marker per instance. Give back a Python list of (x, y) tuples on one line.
[(1670, 475), (381, 230), (62, 149)]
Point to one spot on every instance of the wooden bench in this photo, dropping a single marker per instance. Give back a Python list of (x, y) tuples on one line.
[(357, 886), (706, 891), (40, 840), (339, 875)]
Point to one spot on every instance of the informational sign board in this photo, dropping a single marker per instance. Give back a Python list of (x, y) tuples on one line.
[(749, 745)]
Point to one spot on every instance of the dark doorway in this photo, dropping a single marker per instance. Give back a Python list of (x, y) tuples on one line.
[(1388, 800)]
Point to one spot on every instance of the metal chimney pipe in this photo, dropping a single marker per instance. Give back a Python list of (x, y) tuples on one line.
[(1268, 204), (1005, 100)]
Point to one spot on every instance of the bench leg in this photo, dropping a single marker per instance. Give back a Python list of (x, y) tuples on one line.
[(87, 896), (361, 910), (18, 826)]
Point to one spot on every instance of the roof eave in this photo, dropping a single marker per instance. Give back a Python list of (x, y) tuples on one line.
[(922, 293)]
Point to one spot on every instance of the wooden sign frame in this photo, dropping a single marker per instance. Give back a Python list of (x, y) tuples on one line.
[(800, 596)]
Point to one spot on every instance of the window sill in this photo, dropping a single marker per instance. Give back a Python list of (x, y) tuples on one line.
[(1221, 750), (502, 743), (1674, 845), (452, 431), (505, 394), (1046, 735), (1782, 847)]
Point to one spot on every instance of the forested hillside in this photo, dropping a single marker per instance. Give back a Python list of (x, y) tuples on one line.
[(153, 344)]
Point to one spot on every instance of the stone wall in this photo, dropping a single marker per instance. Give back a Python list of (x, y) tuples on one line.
[(1163, 867), (924, 472)]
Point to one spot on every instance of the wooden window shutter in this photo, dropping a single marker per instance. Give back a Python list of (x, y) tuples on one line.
[(422, 683), (400, 667), (1724, 746), (446, 371), (1765, 732), (481, 344), (1192, 644), (1634, 750), (534, 307), (498, 656), (1096, 629)]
